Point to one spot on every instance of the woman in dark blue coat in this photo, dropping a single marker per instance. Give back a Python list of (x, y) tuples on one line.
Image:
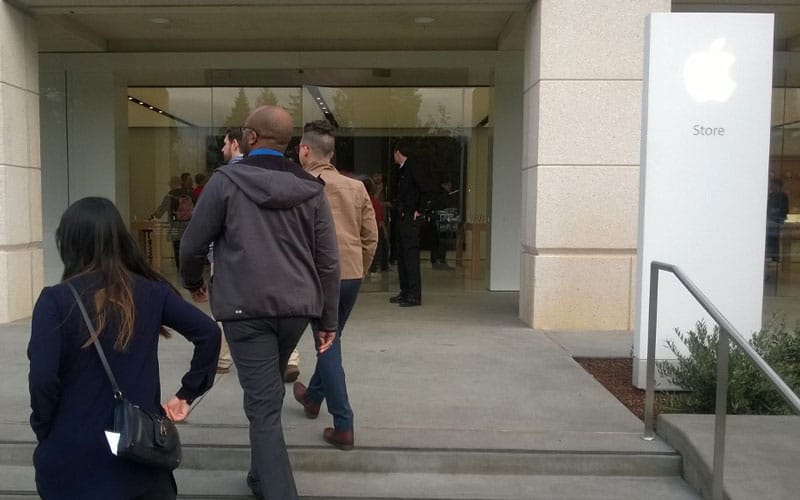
[(71, 396)]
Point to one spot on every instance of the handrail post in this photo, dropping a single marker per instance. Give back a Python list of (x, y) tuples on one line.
[(650, 383), (723, 349)]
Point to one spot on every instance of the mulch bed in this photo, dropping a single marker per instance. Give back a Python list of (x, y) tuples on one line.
[(615, 374)]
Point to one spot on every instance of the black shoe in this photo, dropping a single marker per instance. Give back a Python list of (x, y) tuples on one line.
[(397, 298), (255, 485), (410, 302)]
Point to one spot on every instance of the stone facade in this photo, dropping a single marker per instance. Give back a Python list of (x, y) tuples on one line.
[(21, 265), (582, 128)]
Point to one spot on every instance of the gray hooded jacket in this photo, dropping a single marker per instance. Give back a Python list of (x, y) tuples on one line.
[(275, 251)]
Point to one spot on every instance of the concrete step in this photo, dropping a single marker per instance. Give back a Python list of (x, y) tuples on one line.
[(414, 460), (16, 484)]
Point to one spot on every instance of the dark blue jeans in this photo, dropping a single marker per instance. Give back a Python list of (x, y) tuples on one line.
[(328, 381)]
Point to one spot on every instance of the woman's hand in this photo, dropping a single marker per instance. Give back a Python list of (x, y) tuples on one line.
[(177, 409)]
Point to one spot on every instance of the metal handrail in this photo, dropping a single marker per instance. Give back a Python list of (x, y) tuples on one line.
[(727, 332)]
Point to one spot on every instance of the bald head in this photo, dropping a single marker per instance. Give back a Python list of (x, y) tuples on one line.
[(267, 127)]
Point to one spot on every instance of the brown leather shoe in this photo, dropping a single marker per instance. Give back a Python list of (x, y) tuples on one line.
[(291, 373), (309, 408), (340, 439)]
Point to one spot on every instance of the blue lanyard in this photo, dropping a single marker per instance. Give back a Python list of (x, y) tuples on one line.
[(265, 152)]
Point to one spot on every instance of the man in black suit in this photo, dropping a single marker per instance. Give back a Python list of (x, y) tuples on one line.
[(409, 206)]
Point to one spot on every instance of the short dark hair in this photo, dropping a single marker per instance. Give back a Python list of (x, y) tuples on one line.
[(199, 178), (234, 134), (405, 145), (320, 136)]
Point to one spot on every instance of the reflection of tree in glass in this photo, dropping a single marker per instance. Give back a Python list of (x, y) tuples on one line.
[(442, 120), (295, 108), (404, 104), (344, 107), (266, 98), (401, 109), (239, 111)]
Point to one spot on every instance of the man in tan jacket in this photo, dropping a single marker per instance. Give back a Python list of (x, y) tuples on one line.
[(357, 237)]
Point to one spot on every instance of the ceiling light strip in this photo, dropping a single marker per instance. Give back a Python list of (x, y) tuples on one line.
[(157, 110)]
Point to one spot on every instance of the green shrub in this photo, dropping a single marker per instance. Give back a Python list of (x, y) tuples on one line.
[(749, 391)]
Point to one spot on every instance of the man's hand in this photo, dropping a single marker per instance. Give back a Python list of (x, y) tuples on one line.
[(417, 215), (326, 339), (200, 295), (177, 409)]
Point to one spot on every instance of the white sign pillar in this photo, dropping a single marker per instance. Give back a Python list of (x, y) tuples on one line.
[(705, 164)]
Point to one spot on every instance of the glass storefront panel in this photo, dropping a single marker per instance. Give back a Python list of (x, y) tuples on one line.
[(782, 255), (177, 131)]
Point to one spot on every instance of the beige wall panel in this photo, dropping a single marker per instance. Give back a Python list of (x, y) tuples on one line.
[(14, 206), (15, 285), (529, 196), (582, 292), (589, 123), (533, 46), (13, 126), (14, 60), (37, 274), (33, 130), (526, 289), (530, 127), (31, 54), (594, 39), (586, 207), (35, 204)]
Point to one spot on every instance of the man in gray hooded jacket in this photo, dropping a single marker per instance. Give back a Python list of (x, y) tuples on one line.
[(276, 266)]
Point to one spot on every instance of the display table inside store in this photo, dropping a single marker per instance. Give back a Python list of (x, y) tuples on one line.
[(150, 236), (475, 229)]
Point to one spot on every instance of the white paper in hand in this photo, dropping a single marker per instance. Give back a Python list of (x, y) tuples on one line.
[(113, 441)]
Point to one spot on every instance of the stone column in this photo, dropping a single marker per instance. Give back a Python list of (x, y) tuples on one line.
[(581, 135), (21, 267)]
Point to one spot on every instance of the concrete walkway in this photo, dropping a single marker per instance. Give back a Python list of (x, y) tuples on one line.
[(459, 373)]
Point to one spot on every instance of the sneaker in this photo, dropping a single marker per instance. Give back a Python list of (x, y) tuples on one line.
[(291, 373)]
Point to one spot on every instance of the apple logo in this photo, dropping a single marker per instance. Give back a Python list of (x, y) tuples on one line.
[(706, 74)]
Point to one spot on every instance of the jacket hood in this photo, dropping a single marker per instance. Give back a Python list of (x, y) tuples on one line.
[(269, 188)]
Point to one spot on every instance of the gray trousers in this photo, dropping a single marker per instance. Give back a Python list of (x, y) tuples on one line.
[(260, 350)]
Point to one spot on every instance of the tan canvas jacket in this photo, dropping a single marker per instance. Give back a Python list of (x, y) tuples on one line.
[(354, 218)]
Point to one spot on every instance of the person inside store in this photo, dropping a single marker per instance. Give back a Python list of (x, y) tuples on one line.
[(777, 210)]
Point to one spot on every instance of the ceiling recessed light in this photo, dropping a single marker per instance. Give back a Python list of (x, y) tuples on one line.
[(159, 20), (424, 20)]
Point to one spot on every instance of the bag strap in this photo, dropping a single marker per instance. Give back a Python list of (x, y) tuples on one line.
[(96, 342)]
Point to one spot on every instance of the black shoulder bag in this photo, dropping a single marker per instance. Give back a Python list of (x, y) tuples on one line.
[(144, 438)]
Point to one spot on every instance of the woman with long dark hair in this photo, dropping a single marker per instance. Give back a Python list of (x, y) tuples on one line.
[(71, 397)]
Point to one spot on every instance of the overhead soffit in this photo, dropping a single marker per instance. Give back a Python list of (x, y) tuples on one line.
[(127, 26), (320, 25)]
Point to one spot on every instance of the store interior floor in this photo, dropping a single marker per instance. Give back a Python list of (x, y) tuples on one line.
[(455, 279)]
